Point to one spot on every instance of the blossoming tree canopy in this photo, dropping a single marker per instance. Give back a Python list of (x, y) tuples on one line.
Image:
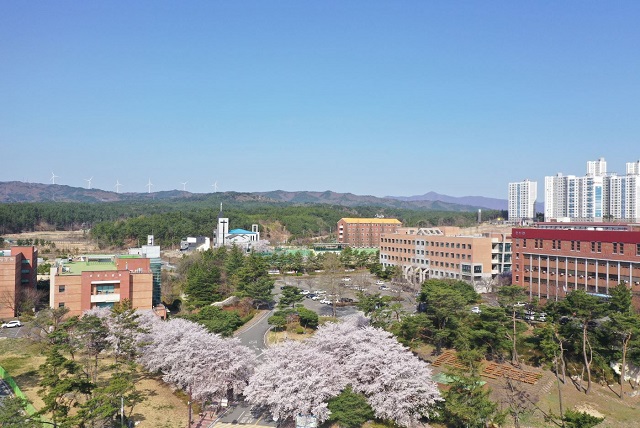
[(299, 378)]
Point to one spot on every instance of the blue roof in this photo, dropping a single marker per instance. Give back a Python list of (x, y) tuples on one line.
[(240, 232)]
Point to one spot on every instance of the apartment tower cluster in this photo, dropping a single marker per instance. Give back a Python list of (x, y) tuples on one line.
[(597, 196)]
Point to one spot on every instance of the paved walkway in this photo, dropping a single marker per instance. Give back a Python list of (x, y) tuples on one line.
[(256, 318)]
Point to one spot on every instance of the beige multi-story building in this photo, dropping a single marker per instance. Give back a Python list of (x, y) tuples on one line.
[(101, 281), (446, 252), (365, 232)]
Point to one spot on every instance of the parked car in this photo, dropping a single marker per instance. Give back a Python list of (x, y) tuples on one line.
[(379, 282), (326, 301), (542, 317), (383, 287), (346, 279), (520, 305), (10, 324), (305, 292), (476, 310), (310, 296), (316, 297)]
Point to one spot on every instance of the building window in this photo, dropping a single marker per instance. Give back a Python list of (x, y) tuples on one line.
[(621, 248), (25, 270), (637, 249), (578, 246), (593, 246), (615, 248), (599, 247), (524, 243), (61, 289), (61, 305)]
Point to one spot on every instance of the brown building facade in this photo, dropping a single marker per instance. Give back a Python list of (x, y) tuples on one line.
[(446, 253), (365, 232), (550, 262), (18, 270), (101, 281)]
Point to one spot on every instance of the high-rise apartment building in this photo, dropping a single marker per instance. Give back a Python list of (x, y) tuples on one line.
[(597, 196), (522, 200)]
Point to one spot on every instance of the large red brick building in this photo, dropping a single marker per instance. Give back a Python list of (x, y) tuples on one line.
[(18, 270), (365, 232), (553, 259)]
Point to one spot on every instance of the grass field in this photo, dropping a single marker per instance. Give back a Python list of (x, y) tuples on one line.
[(163, 407)]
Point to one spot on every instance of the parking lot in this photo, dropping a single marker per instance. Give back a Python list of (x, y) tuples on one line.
[(13, 332), (347, 287)]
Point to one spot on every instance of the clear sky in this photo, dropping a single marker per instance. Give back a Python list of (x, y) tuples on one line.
[(369, 97)]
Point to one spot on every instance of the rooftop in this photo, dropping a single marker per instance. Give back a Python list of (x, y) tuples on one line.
[(372, 220), (76, 268)]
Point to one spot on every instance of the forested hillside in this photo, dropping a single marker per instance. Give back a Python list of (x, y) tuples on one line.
[(115, 223)]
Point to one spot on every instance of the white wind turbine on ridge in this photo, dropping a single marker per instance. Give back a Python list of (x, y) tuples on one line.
[(149, 184), (118, 186), (88, 180), (53, 178)]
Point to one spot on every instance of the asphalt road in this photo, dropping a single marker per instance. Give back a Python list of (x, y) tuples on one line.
[(13, 332)]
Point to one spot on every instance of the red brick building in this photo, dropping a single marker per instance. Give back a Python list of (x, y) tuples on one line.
[(365, 232), (101, 281), (551, 260), (18, 270)]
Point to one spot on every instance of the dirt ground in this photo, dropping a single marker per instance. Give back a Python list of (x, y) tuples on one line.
[(72, 242), (542, 398)]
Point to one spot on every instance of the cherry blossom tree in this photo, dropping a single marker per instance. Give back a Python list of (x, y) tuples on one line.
[(299, 378), (295, 379), (205, 365)]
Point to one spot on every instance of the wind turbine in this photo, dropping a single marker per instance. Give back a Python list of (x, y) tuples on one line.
[(184, 186), (53, 178), (215, 186), (149, 184), (88, 180), (118, 186)]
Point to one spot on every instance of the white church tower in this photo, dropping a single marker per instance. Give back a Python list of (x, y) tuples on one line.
[(221, 231)]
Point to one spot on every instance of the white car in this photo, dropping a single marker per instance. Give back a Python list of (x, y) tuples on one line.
[(316, 297), (305, 292), (346, 279), (384, 287), (379, 282), (10, 324), (326, 301), (476, 310)]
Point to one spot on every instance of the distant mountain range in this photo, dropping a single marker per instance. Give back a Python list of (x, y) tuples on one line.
[(478, 201), (17, 191)]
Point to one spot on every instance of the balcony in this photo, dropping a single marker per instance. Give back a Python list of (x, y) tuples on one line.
[(105, 298)]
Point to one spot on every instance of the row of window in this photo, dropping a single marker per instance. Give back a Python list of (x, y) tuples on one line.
[(428, 253), (427, 243), (596, 246)]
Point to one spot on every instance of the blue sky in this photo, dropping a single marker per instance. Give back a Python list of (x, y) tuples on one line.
[(367, 97)]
